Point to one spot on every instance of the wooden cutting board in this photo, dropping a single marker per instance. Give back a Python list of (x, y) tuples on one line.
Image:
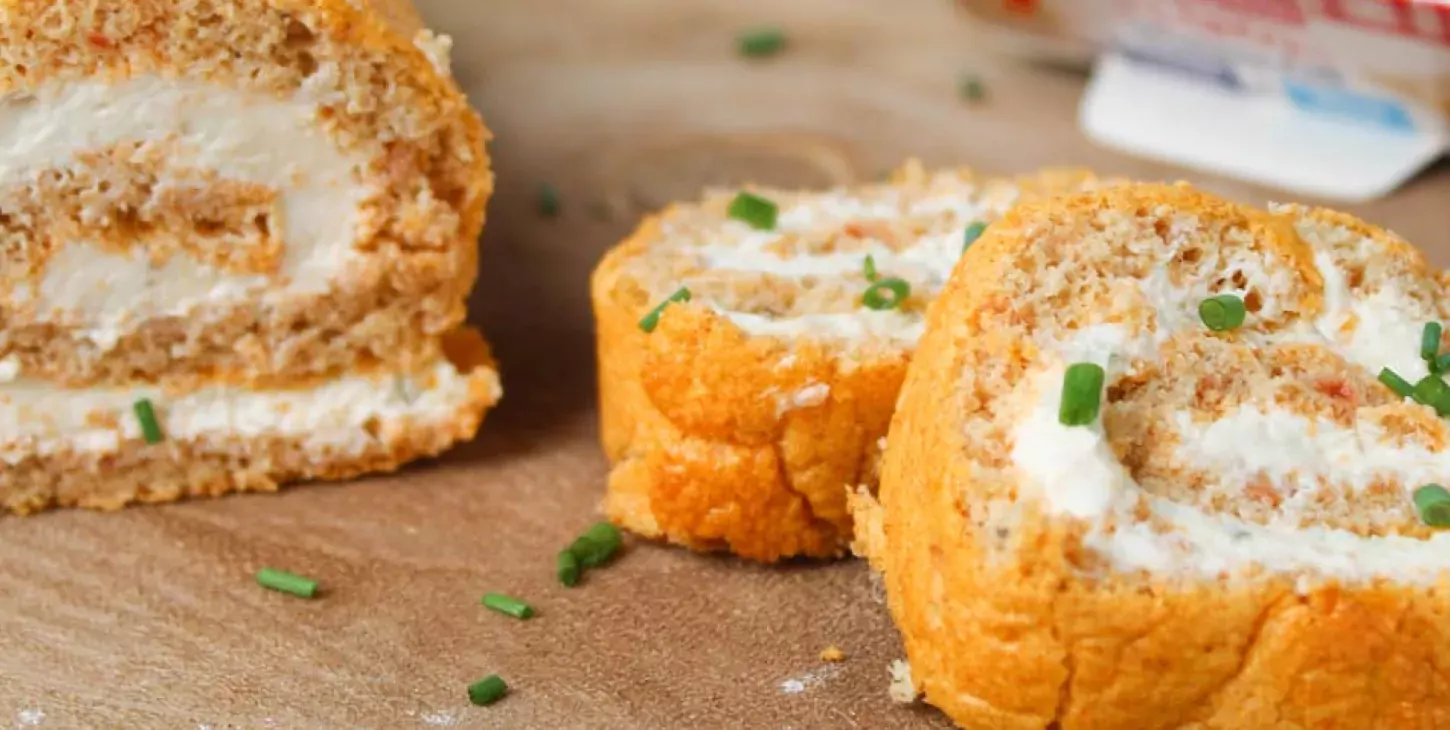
[(149, 618)]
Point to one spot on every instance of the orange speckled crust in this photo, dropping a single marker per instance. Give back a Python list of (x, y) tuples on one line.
[(1005, 630), (708, 452)]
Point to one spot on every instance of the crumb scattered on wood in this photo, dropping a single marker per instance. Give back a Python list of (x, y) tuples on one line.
[(903, 687), (832, 653)]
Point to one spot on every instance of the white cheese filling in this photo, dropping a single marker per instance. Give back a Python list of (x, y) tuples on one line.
[(334, 416), (241, 136), (926, 263), (1076, 473)]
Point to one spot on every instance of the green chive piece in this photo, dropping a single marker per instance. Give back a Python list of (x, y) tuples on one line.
[(568, 570), (761, 42), (1221, 313), (549, 204), (1399, 385), (284, 582), (488, 690), (870, 268), (974, 231), (754, 210), (886, 294), (508, 605), (150, 427), (972, 89), (1082, 392), (1432, 501), (1432, 391), (597, 545), (1442, 363), (1430, 343), (652, 320)]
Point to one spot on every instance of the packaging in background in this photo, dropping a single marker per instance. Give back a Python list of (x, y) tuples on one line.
[(1342, 99)]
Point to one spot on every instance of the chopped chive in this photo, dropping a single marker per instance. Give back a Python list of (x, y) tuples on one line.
[(549, 204), (1432, 391), (1399, 385), (150, 427), (974, 231), (754, 210), (508, 605), (488, 690), (972, 89), (1430, 343), (870, 268), (1082, 392), (886, 294), (568, 568), (597, 545), (1432, 501), (1221, 313), (761, 42), (1442, 363), (284, 582), (652, 320)]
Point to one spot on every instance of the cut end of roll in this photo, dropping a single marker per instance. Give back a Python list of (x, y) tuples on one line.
[(258, 218)]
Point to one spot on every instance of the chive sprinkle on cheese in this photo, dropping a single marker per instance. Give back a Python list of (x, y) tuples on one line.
[(1430, 345), (652, 320), (871, 274), (974, 231), (757, 212), (1433, 392), (150, 427), (1082, 392), (1442, 363), (284, 582), (1432, 501), (508, 605), (1222, 313), (1399, 385), (488, 690), (884, 294), (760, 42)]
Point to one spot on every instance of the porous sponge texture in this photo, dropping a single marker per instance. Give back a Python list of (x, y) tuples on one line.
[(1017, 613)]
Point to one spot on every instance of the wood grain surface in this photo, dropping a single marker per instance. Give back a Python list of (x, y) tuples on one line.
[(149, 618)]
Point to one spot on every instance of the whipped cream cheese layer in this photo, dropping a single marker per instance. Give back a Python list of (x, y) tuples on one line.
[(238, 135), (926, 230), (1076, 473), (343, 415)]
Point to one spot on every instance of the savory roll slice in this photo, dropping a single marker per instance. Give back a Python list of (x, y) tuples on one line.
[(236, 239), (256, 187), (1165, 461), (751, 347)]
